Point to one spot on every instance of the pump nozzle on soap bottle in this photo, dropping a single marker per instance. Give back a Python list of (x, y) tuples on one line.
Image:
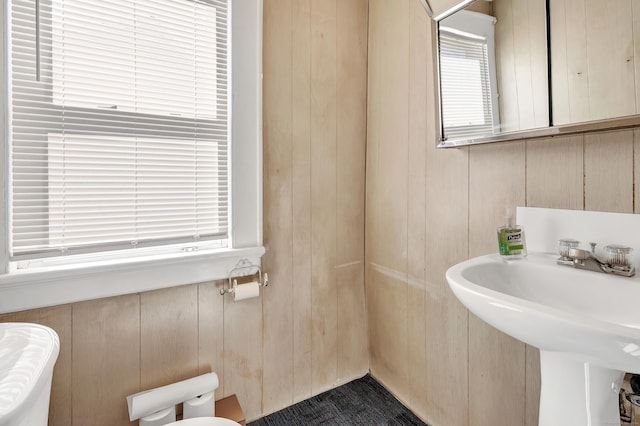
[(511, 241)]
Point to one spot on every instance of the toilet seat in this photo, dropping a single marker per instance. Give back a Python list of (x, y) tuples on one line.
[(204, 421)]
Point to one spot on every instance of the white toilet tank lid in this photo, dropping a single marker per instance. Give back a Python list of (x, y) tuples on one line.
[(27, 355)]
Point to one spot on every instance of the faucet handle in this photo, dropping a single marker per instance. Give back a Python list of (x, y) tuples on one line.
[(617, 255), (565, 245), (593, 247)]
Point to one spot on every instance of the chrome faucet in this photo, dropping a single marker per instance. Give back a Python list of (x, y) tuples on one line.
[(617, 262)]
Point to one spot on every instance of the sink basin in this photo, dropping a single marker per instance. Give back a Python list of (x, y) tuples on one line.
[(586, 325)]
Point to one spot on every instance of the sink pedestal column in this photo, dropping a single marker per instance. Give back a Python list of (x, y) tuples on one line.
[(577, 393)]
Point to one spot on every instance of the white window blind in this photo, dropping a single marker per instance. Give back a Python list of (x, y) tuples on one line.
[(465, 86), (119, 124)]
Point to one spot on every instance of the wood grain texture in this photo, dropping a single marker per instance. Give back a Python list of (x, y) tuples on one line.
[(351, 92), (301, 193), (610, 61), (388, 339), (168, 336), (521, 61), (496, 361), (388, 262), (555, 173), (393, 128), (447, 243), (308, 331), (278, 188), (242, 353), (106, 359), (323, 194), (596, 73), (351, 63), (506, 66), (608, 168), (532, 389), (419, 32), (353, 349), (59, 319), (569, 51), (211, 331)]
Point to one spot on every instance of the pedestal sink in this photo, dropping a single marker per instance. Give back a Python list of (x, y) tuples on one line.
[(586, 325)]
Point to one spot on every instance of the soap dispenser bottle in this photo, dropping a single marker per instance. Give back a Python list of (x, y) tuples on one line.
[(511, 240)]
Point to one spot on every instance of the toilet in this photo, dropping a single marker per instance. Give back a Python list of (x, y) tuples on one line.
[(28, 353), (157, 407)]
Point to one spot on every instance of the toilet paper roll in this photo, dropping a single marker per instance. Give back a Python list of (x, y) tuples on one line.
[(246, 291), (202, 406)]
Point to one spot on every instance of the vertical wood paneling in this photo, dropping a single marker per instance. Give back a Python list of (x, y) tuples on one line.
[(351, 29), (608, 168), (278, 303), (388, 262), (59, 319), (387, 303), (596, 77), (374, 81), (353, 351), (210, 331), (243, 346), (569, 50), (611, 64), (555, 179), (447, 193), (555, 173), (506, 66), (496, 361), (374, 117), (419, 26), (266, 350), (532, 389), (536, 15), (521, 63), (559, 71), (301, 194), (351, 91), (323, 194), (168, 336), (106, 359)]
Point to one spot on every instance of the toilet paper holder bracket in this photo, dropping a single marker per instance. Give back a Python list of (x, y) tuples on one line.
[(244, 268)]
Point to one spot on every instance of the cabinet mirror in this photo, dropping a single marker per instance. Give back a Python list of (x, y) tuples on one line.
[(510, 69)]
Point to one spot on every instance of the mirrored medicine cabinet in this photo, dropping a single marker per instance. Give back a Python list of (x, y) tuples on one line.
[(516, 69)]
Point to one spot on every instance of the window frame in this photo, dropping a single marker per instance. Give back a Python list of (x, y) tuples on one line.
[(475, 24), (54, 285)]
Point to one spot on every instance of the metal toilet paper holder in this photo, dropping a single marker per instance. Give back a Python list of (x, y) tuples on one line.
[(244, 268)]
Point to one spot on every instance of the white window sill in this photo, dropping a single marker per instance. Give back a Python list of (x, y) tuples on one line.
[(41, 287)]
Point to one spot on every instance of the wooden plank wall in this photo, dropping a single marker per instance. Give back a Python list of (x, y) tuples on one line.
[(427, 209), (594, 76), (521, 63), (307, 331)]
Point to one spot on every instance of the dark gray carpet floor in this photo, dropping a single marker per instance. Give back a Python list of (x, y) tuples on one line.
[(361, 402)]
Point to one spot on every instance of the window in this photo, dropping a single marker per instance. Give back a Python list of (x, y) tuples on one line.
[(123, 148), (119, 124), (467, 76)]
